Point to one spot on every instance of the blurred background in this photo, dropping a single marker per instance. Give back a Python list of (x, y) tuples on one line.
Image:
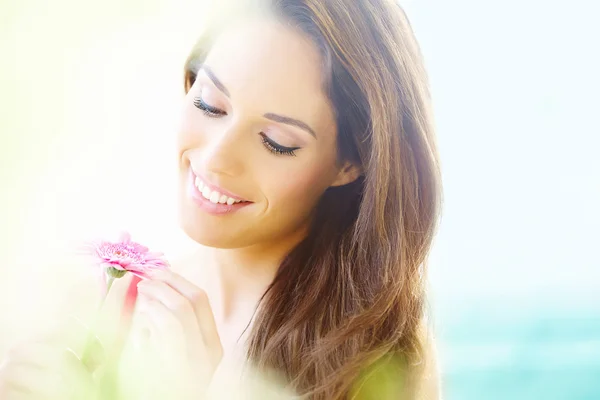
[(89, 101)]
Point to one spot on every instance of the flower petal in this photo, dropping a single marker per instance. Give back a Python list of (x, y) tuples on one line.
[(125, 237), (135, 268), (138, 247)]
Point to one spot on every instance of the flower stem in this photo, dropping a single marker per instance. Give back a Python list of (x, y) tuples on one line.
[(87, 355), (109, 281)]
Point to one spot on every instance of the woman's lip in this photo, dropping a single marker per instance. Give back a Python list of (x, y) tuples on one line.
[(208, 206), (214, 187)]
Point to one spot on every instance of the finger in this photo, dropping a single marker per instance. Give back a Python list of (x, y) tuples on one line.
[(199, 301), (174, 301), (176, 351), (166, 331)]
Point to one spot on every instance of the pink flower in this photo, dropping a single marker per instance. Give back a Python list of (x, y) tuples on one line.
[(126, 255), (117, 258)]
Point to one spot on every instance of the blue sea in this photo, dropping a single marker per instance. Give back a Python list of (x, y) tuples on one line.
[(499, 349)]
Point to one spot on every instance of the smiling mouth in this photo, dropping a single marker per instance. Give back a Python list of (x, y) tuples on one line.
[(215, 195)]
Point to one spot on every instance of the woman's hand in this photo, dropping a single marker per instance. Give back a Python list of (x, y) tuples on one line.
[(182, 334), (48, 367)]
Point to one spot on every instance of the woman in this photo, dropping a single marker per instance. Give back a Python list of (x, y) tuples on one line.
[(310, 179)]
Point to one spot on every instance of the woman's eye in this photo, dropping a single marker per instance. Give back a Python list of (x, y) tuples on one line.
[(207, 109), (276, 148), (269, 143)]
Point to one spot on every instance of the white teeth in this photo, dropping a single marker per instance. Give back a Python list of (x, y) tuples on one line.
[(199, 184), (213, 196)]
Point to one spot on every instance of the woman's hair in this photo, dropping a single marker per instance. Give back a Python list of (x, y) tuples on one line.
[(347, 307)]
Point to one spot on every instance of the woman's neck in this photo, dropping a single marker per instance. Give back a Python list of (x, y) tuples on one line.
[(235, 279)]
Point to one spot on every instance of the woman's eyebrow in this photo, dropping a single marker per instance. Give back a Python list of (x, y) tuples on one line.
[(214, 79), (273, 117), (290, 121)]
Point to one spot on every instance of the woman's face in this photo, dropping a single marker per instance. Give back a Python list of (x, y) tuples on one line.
[(256, 127)]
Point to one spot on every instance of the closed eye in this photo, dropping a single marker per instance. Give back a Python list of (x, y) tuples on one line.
[(208, 109), (276, 148), (269, 143)]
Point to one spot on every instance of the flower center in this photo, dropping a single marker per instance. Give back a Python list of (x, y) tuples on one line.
[(125, 252)]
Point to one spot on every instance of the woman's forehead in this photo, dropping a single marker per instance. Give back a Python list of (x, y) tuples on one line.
[(270, 63)]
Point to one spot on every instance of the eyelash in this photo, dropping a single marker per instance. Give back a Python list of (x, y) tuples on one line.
[(206, 109), (277, 148), (272, 146)]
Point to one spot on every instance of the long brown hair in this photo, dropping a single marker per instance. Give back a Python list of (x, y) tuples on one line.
[(347, 305)]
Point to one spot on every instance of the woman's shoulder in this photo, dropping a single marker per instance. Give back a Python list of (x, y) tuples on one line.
[(429, 386), (392, 378)]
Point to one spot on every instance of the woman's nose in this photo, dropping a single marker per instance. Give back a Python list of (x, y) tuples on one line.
[(224, 152)]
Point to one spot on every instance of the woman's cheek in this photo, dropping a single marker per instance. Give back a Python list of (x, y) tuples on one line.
[(301, 187), (190, 128)]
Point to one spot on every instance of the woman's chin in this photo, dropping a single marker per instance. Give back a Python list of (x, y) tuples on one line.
[(227, 230), (212, 236)]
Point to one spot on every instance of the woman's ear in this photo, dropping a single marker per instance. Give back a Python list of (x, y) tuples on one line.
[(347, 174)]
